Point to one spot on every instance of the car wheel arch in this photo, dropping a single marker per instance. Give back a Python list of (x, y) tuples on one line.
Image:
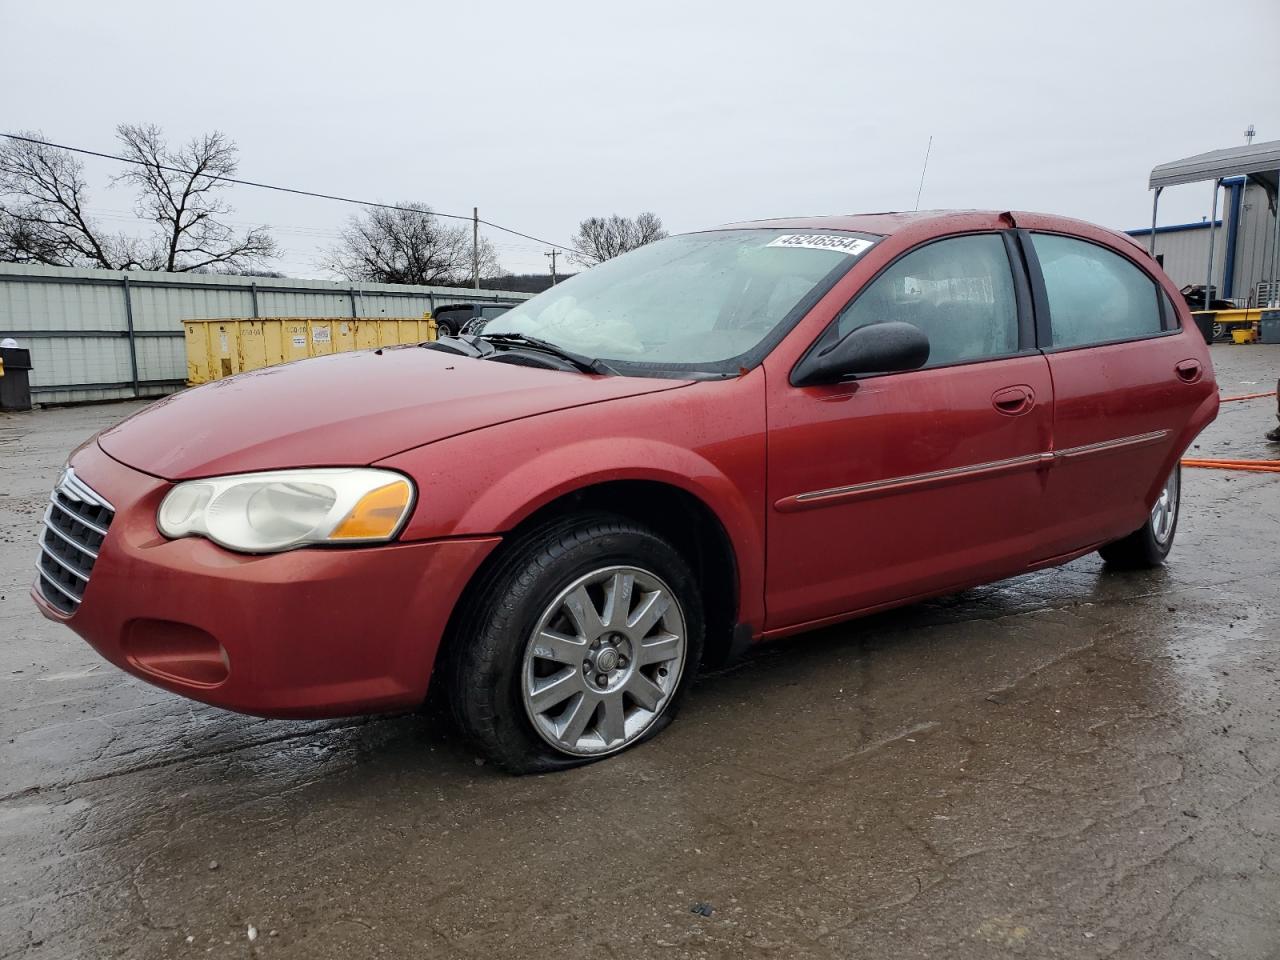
[(684, 517)]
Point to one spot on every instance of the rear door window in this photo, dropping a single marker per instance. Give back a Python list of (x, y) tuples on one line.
[(1095, 296), (959, 291)]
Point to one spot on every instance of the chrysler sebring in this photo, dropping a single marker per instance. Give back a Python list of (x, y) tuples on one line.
[(720, 438)]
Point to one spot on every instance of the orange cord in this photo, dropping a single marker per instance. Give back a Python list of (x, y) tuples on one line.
[(1228, 462), (1255, 466), (1247, 396)]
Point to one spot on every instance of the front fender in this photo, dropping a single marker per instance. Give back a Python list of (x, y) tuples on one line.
[(556, 473), (707, 440)]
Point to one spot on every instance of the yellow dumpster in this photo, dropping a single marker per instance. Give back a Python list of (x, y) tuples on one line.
[(223, 348)]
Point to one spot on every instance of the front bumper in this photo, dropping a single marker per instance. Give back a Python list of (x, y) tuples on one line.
[(310, 633)]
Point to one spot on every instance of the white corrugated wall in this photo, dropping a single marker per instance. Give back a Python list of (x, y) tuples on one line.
[(76, 323), (1186, 253)]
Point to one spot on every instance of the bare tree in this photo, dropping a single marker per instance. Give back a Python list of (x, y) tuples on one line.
[(407, 244), (44, 200), (179, 193), (43, 196), (603, 238)]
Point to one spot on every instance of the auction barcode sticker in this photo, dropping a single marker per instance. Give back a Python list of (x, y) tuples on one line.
[(822, 241)]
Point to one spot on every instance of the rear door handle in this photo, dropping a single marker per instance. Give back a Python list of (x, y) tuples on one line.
[(1189, 371), (1013, 401)]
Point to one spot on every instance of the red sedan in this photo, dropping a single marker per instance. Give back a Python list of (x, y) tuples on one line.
[(722, 437)]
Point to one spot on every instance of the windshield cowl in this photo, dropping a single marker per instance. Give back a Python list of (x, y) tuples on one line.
[(501, 346)]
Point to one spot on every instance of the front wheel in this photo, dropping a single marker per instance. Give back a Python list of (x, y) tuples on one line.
[(1149, 545), (579, 643)]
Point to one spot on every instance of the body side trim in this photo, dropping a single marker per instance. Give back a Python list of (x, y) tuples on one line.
[(919, 481), (1106, 446)]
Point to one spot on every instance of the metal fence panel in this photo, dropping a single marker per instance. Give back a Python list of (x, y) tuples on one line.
[(105, 334), (155, 307), (319, 303)]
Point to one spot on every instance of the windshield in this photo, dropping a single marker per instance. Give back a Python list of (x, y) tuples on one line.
[(706, 301)]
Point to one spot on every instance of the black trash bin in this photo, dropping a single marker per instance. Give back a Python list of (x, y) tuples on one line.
[(1269, 327), (1204, 322), (15, 385)]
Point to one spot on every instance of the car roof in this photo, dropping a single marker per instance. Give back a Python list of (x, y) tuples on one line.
[(925, 221)]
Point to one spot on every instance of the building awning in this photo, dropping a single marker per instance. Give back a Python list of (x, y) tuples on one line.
[(1257, 161)]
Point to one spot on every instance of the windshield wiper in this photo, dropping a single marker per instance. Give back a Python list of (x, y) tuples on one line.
[(585, 364)]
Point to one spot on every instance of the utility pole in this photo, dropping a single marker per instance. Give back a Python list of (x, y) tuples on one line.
[(475, 247), (1249, 134), (553, 254)]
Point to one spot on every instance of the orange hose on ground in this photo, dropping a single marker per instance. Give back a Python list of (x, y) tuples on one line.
[(1247, 396), (1253, 466), (1224, 462)]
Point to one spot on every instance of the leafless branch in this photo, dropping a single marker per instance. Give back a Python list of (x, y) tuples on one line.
[(603, 238), (42, 208), (44, 199), (178, 192), (407, 245)]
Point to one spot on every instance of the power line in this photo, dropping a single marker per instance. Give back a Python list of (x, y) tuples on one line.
[(124, 216), (279, 189)]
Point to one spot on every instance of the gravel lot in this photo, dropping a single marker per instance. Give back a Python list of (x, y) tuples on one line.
[(1073, 763)]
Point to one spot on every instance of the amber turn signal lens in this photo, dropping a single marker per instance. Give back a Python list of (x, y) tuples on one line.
[(376, 515)]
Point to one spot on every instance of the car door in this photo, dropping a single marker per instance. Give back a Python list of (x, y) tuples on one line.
[(1127, 385), (887, 487)]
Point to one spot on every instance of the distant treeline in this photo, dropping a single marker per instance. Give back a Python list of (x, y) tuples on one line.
[(522, 282)]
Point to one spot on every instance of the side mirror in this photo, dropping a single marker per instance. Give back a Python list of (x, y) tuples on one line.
[(874, 348)]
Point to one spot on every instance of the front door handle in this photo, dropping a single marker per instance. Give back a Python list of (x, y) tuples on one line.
[(1013, 401), (1189, 371)]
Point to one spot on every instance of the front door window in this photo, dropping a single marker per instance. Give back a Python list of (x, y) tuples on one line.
[(959, 291)]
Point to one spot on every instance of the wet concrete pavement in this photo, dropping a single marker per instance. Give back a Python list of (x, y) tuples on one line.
[(1074, 763)]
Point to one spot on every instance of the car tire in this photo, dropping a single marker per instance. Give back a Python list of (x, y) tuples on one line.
[(444, 328), (1149, 545), (524, 637)]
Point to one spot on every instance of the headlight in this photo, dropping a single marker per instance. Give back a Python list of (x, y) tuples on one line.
[(270, 512)]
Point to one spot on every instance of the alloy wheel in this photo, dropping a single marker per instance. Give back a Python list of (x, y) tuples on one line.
[(1165, 512), (603, 661)]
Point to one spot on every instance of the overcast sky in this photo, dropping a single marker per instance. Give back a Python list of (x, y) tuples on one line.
[(543, 114)]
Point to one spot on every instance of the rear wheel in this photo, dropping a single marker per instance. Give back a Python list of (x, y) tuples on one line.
[(580, 643), (445, 328), (1149, 545)]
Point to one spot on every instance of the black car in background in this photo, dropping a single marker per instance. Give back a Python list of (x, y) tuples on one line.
[(452, 318), (1212, 331)]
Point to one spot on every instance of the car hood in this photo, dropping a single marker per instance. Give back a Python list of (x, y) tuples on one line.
[(348, 409)]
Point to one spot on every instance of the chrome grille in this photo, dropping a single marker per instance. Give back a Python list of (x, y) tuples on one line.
[(75, 525)]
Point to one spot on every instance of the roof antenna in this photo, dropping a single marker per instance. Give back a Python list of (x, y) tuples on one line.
[(923, 170), (1249, 134)]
